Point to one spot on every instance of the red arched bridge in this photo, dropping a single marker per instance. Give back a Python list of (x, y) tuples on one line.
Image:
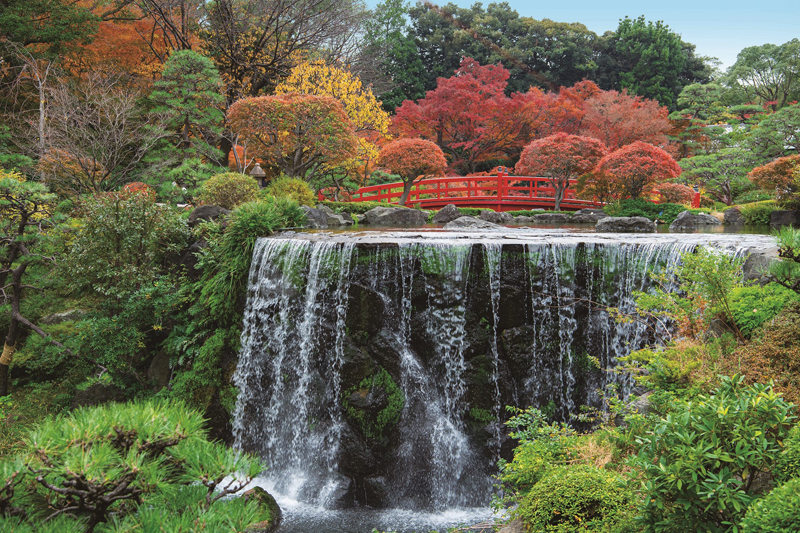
[(501, 193)]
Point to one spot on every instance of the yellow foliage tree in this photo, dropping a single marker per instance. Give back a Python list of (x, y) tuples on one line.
[(364, 110)]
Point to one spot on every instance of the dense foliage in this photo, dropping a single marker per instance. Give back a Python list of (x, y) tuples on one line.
[(228, 190), (412, 160)]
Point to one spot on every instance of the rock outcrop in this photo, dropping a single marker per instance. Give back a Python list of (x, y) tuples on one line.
[(625, 225), (396, 216)]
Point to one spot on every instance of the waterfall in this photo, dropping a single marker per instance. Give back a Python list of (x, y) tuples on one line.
[(376, 370)]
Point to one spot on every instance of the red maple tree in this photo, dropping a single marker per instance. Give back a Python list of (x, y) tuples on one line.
[(618, 119), (637, 167), (468, 115), (413, 160), (560, 158)]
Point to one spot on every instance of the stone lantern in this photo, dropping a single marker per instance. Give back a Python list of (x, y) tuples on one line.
[(259, 175)]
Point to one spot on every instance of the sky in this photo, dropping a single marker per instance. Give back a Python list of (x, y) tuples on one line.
[(719, 29)]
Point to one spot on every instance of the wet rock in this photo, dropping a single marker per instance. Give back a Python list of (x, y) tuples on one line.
[(585, 216), (704, 219), (332, 218), (205, 212), (315, 218), (683, 222), (551, 218), (625, 225), (757, 263), (267, 503), (496, 218), (341, 496), (447, 214), (65, 316), (733, 217), (361, 219), (355, 457), (396, 216), (471, 223), (781, 218), (376, 491), (522, 219)]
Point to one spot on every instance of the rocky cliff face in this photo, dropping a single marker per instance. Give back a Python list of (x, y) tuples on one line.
[(375, 371)]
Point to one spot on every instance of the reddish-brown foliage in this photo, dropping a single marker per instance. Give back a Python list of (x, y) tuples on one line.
[(782, 175), (470, 117), (618, 119), (637, 167), (296, 132), (674, 193), (137, 187), (560, 157), (412, 160)]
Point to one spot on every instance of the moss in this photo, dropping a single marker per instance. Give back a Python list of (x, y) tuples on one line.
[(378, 424)]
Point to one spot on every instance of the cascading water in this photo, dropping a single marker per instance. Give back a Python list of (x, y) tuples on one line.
[(375, 367)]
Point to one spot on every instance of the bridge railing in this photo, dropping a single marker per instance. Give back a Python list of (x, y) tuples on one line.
[(502, 192)]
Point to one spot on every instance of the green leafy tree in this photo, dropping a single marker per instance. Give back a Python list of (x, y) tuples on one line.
[(649, 60), (699, 113), (123, 243), (777, 134), (48, 22), (26, 213), (769, 72), (188, 94), (701, 464), (719, 173), (228, 190)]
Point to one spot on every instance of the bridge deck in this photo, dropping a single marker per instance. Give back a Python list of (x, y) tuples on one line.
[(501, 193)]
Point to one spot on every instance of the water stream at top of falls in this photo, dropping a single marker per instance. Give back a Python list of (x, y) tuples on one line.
[(375, 367)]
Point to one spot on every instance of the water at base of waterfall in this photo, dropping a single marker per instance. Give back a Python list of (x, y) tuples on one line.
[(300, 517)]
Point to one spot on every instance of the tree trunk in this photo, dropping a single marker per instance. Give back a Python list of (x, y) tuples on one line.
[(406, 191)]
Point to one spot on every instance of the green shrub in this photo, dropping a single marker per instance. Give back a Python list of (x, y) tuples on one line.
[(788, 464), (542, 445), (576, 499), (752, 306), (699, 465), (525, 213), (778, 512), (353, 208), (127, 462), (228, 190), (639, 207), (294, 188), (758, 195), (758, 213), (470, 211)]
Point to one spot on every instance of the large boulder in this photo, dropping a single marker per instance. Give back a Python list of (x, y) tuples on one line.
[(205, 212), (625, 225), (496, 218), (683, 222), (333, 218), (315, 219), (522, 219), (447, 214), (551, 218), (586, 216), (733, 217), (471, 223), (687, 221), (267, 503), (757, 263), (396, 216), (780, 218)]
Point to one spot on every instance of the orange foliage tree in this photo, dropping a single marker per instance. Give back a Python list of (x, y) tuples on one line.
[(637, 167), (782, 175), (675, 193), (413, 160), (618, 119), (298, 133), (560, 157)]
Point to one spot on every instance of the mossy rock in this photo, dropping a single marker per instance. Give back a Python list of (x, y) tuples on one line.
[(267, 504), (375, 405)]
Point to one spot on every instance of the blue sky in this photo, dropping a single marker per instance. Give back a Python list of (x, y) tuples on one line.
[(718, 28)]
